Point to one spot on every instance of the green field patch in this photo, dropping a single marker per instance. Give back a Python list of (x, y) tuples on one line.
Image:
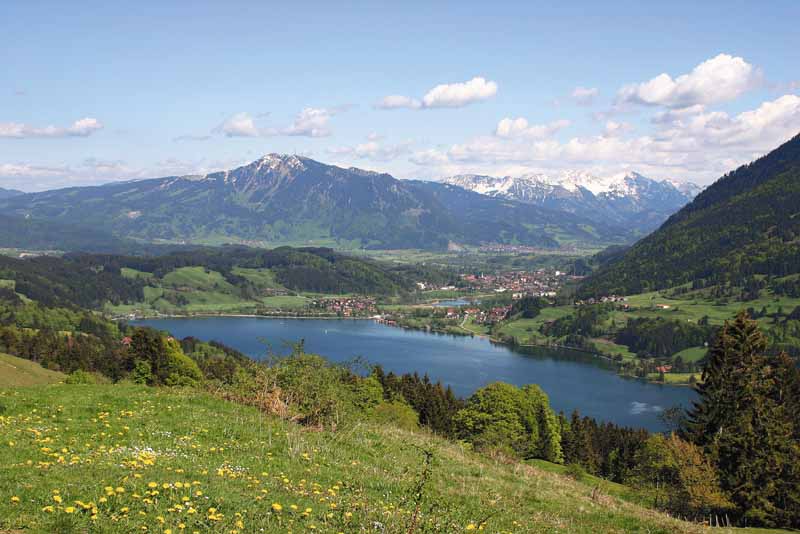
[(692, 354), (134, 274), (16, 372), (197, 278), (261, 278)]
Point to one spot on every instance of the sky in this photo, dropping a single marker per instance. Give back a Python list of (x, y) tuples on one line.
[(96, 92)]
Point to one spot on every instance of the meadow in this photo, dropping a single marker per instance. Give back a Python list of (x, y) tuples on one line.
[(126, 458)]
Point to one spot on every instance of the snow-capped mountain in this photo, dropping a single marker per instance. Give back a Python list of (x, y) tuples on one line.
[(628, 198)]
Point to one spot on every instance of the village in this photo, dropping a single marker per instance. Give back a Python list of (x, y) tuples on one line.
[(345, 306)]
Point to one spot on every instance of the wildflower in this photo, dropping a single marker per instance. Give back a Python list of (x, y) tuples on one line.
[(57, 498), (70, 509), (471, 526), (276, 507), (14, 499)]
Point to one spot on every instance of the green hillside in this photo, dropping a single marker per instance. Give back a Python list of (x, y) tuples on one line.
[(745, 224), (16, 372), (170, 460)]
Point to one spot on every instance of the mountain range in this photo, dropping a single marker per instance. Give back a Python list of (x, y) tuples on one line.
[(743, 228), (288, 199), (8, 193), (631, 199)]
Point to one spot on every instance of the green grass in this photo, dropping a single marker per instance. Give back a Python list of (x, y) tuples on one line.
[(524, 329), (674, 378), (163, 454), (261, 278), (285, 302), (197, 278), (8, 284), (127, 272), (15, 372), (693, 354)]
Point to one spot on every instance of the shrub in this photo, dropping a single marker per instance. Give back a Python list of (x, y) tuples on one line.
[(396, 413), (85, 377)]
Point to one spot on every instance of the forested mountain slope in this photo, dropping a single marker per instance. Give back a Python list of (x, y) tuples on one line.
[(286, 199), (746, 223)]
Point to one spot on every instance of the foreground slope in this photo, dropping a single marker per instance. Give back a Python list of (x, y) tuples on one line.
[(746, 223), (169, 460)]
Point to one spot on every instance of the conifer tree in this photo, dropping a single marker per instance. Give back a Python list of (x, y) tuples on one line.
[(745, 421)]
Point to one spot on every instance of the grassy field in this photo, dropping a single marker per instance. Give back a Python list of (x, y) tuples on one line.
[(674, 378), (15, 372), (190, 290), (524, 329), (123, 458)]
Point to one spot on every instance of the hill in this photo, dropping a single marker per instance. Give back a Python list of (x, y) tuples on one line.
[(140, 457), (18, 232), (281, 199), (745, 224), (629, 199), (8, 193), (15, 372), (230, 278)]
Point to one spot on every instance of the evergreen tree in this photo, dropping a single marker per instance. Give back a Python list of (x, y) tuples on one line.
[(745, 421)]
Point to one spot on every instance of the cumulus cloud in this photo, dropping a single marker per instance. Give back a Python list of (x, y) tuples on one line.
[(520, 127), (80, 128), (29, 176), (398, 102), (584, 96), (310, 122), (373, 150), (719, 79), (447, 95), (694, 145), (614, 128)]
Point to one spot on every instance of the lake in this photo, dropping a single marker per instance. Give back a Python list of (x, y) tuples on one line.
[(572, 380)]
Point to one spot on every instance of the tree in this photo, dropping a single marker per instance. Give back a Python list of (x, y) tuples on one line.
[(516, 420), (746, 423), (682, 480)]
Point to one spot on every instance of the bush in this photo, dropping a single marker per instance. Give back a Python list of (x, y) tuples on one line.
[(396, 413), (85, 377), (514, 420), (575, 471)]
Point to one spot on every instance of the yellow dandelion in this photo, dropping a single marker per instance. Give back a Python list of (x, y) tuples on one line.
[(276, 507), (70, 509), (14, 499)]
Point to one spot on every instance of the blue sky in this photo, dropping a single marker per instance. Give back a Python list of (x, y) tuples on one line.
[(103, 91)]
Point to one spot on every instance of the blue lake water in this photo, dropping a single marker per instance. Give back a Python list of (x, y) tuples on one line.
[(572, 380)]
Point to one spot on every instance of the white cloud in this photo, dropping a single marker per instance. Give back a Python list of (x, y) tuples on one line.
[(456, 95), (36, 177), (697, 146), (398, 102), (373, 150), (718, 79), (584, 96), (239, 125), (310, 122), (520, 127), (80, 128), (614, 128), (446, 95)]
